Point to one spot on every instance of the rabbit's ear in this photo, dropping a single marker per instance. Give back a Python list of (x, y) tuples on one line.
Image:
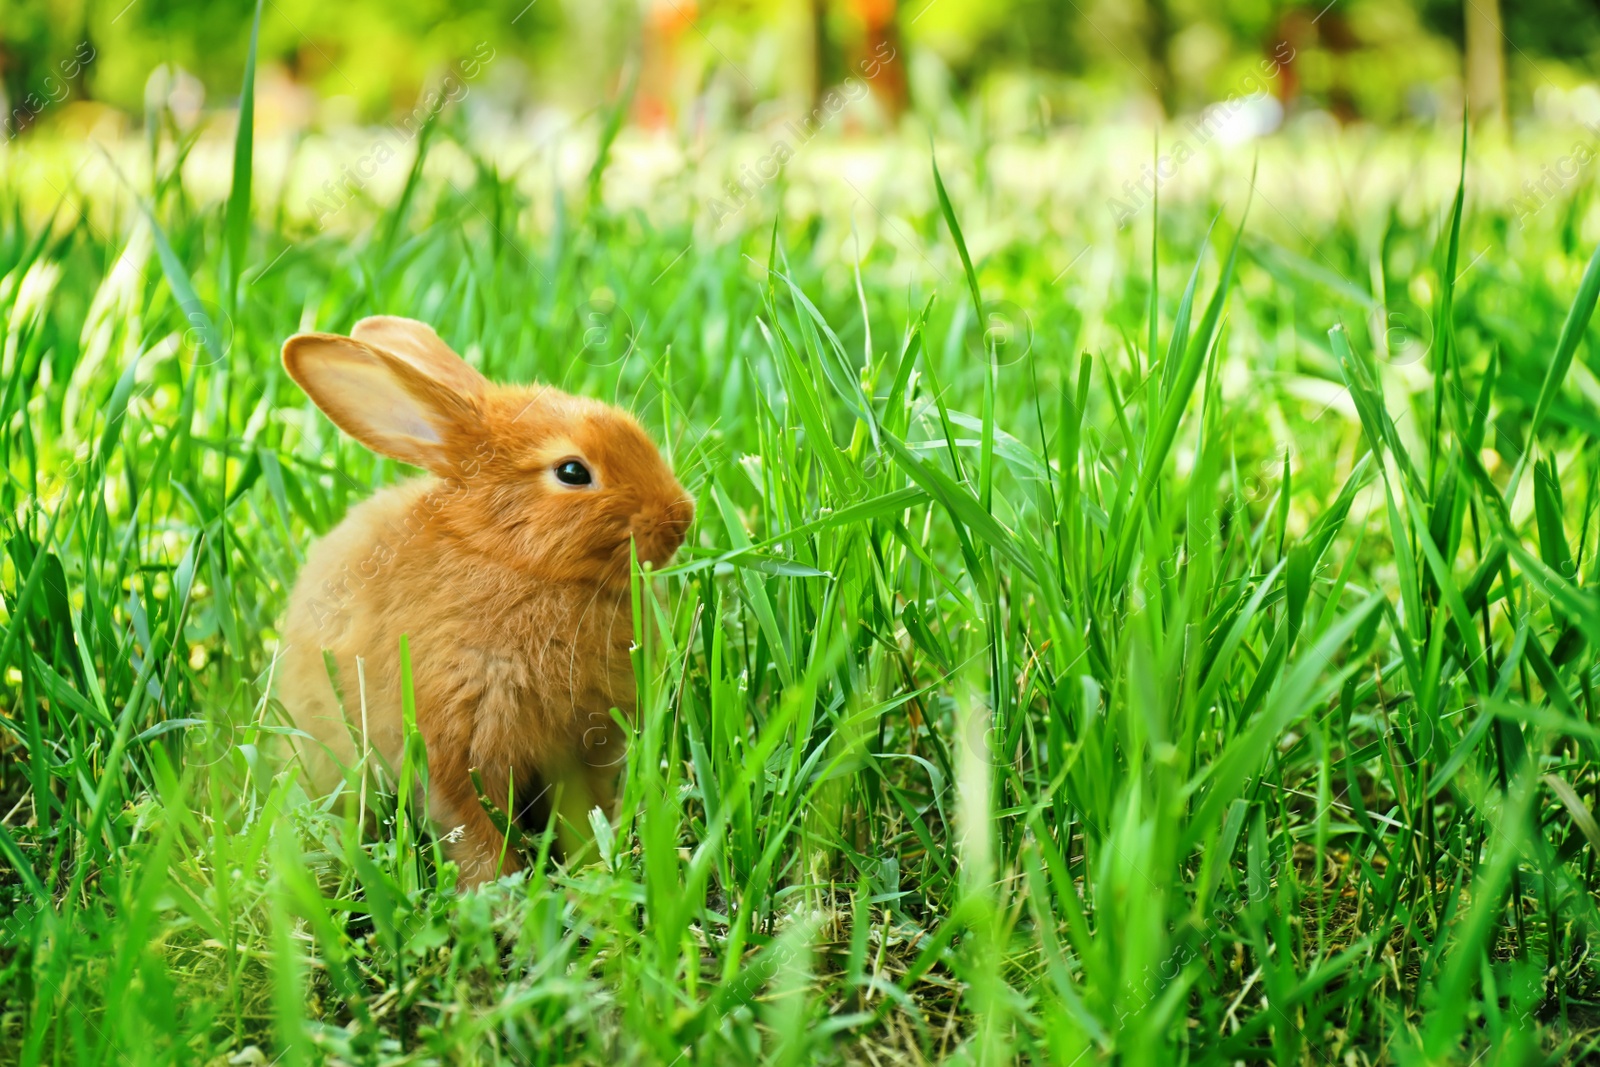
[(417, 344), (384, 401)]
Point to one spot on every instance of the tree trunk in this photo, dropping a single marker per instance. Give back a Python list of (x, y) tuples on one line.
[(1158, 48), (822, 60), (1485, 61), (883, 62)]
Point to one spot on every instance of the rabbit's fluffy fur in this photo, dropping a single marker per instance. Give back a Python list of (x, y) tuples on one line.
[(512, 586)]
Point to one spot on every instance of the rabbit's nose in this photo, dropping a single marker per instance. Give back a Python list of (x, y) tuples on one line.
[(660, 529), (674, 524), (680, 513)]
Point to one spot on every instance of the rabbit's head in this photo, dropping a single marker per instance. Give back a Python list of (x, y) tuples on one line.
[(556, 485)]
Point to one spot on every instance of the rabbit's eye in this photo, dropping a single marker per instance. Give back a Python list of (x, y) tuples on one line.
[(573, 473)]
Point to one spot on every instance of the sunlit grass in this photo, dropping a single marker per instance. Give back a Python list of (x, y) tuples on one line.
[(1135, 658)]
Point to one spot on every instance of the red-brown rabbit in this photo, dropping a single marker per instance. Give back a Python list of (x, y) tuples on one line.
[(508, 569)]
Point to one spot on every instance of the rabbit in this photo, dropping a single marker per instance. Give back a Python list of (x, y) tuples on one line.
[(508, 568)]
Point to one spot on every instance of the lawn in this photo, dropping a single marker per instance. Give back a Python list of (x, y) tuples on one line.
[(1167, 643)]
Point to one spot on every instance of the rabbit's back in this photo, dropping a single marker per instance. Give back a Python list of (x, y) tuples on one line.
[(337, 605)]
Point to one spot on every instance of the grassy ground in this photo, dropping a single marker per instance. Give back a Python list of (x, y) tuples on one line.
[(1197, 664)]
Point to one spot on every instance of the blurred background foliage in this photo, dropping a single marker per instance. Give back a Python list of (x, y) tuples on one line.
[(1024, 65)]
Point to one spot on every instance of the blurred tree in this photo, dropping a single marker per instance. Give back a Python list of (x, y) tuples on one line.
[(1158, 46), (1536, 31), (1485, 60), (660, 46), (1302, 32), (1042, 34), (1373, 58), (38, 47), (882, 31), (824, 62), (376, 53), (832, 58)]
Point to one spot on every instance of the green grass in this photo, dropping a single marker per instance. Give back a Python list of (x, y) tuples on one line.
[(1212, 682)]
